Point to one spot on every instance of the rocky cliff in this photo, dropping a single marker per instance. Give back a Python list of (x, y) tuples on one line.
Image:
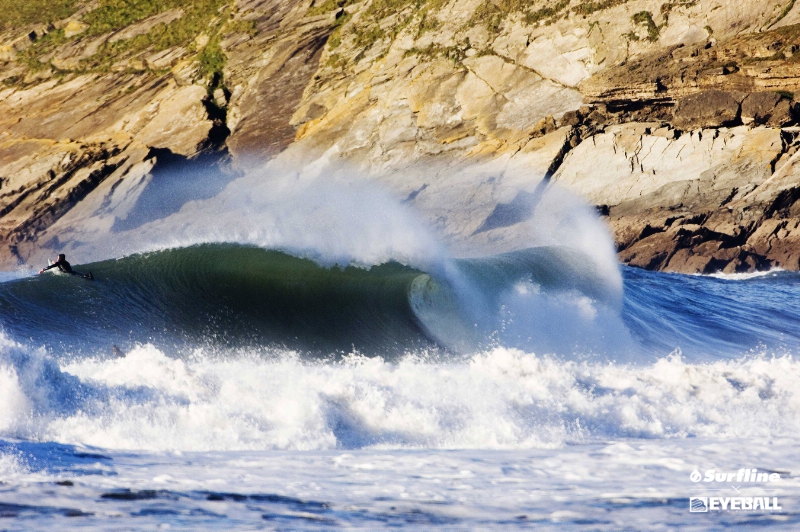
[(676, 119)]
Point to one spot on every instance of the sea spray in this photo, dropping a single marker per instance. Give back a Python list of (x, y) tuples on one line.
[(330, 222)]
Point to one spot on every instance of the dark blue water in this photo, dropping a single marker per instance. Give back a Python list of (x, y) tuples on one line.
[(710, 317)]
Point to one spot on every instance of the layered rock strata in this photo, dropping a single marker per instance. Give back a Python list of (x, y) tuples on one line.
[(676, 119)]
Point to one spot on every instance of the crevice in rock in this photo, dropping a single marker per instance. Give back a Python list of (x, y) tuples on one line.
[(530, 69), (19, 199), (483, 80), (649, 230), (558, 160), (524, 204), (733, 193)]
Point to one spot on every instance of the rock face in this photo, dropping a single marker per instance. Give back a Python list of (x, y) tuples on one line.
[(684, 203), (87, 143), (54, 153), (676, 119)]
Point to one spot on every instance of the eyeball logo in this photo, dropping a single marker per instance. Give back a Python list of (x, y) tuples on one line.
[(696, 476), (698, 504)]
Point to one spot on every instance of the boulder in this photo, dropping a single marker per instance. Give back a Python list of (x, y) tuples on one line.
[(766, 108), (711, 108)]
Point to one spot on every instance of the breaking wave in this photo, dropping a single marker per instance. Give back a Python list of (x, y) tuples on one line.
[(235, 295), (304, 316)]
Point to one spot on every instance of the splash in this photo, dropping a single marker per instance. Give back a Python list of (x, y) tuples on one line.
[(327, 221), (499, 399)]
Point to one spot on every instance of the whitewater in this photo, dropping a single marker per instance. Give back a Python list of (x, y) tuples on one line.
[(308, 353)]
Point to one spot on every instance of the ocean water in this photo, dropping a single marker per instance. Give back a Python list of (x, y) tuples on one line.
[(316, 359)]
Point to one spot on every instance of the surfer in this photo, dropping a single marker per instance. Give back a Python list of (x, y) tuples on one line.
[(65, 267)]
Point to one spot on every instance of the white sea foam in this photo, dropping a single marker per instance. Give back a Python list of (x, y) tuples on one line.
[(500, 399), (745, 276), (12, 465), (617, 485)]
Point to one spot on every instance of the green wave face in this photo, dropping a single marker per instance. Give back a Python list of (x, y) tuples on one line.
[(220, 294), (235, 296)]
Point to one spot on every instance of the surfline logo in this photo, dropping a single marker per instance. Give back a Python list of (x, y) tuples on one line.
[(740, 476)]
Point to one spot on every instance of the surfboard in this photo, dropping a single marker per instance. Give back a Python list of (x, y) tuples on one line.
[(54, 271)]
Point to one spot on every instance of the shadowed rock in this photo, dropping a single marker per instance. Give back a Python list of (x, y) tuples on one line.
[(708, 109)]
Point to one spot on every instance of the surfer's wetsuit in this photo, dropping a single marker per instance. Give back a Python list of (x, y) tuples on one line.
[(64, 266)]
